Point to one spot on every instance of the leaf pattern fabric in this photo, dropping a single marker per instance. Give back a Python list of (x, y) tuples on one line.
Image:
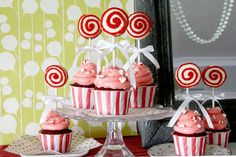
[(33, 35)]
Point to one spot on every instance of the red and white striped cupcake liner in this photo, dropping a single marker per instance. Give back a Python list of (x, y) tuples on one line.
[(82, 97), (58, 142), (108, 102), (218, 138), (142, 96), (189, 146)]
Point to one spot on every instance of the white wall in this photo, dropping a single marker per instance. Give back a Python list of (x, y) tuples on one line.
[(204, 16)]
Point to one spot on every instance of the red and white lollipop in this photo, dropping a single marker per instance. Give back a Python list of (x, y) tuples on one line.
[(188, 75), (140, 25), (89, 26), (114, 21), (214, 76), (55, 76)]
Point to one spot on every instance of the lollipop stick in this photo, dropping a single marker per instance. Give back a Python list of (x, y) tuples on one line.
[(55, 94), (138, 45), (187, 93), (213, 94), (113, 53), (208, 77), (55, 91), (89, 52)]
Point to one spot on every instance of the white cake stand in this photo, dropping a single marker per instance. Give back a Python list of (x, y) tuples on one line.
[(114, 144)]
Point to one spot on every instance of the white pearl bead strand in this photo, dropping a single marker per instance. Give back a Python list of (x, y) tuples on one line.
[(180, 16)]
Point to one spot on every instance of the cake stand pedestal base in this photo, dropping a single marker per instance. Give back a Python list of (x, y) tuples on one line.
[(114, 145)]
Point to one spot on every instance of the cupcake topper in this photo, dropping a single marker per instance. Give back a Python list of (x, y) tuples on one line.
[(214, 77), (139, 27), (55, 76), (114, 22), (188, 75), (89, 28)]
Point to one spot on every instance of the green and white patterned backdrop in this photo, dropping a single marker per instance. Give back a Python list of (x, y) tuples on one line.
[(35, 34)]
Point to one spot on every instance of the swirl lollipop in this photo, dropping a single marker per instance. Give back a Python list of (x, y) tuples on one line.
[(188, 75), (55, 76), (214, 77), (89, 26), (140, 25), (114, 21)]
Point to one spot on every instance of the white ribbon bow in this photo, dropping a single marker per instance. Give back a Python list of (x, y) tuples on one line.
[(108, 47), (197, 96), (214, 98), (146, 51), (102, 44), (90, 48), (49, 101), (200, 96), (182, 107)]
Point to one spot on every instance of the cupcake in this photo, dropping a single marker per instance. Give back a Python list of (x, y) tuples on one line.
[(220, 134), (55, 134), (143, 95), (189, 134), (81, 89), (112, 91)]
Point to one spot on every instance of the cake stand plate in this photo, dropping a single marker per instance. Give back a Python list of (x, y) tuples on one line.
[(135, 114), (168, 149), (114, 145)]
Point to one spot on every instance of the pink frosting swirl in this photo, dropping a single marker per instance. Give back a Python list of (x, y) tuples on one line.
[(113, 78), (142, 73), (86, 75), (55, 122), (189, 122), (218, 119)]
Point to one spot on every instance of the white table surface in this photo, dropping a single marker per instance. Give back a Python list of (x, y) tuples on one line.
[(232, 147)]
